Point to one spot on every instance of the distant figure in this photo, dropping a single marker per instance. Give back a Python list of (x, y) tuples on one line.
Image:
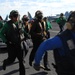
[(48, 26), (61, 22), (11, 36), (63, 46), (26, 28)]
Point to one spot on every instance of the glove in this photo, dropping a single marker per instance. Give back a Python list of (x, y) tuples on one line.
[(36, 67)]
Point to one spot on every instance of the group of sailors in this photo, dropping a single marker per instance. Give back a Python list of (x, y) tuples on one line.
[(15, 32)]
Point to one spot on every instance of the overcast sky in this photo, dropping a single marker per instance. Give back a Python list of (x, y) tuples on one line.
[(48, 7)]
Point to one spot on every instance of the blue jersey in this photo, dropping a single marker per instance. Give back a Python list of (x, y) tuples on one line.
[(50, 44)]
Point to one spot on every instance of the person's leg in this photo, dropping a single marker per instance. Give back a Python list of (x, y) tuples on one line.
[(61, 28), (45, 60), (11, 57), (32, 54), (31, 57), (48, 34), (21, 64), (25, 50)]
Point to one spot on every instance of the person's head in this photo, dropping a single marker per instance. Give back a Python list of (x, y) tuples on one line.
[(14, 15), (61, 15), (39, 14), (71, 21), (45, 18), (25, 18)]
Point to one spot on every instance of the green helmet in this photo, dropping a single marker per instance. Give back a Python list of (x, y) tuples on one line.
[(14, 13)]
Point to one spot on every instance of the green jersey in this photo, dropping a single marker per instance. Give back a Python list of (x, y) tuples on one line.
[(61, 21), (48, 26)]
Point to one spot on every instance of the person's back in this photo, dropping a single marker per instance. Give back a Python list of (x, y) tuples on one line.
[(64, 59)]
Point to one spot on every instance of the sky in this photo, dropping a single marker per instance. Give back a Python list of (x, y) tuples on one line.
[(48, 7)]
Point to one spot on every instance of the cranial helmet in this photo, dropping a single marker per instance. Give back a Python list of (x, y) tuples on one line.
[(25, 18), (14, 13), (61, 14), (71, 18), (38, 14), (45, 18)]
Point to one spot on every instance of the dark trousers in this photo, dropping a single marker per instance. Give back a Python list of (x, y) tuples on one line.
[(64, 65), (32, 54), (65, 68), (13, 52), (48, 34), (61, 28)]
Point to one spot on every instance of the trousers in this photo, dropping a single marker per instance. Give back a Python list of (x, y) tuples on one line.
[(14, 51)]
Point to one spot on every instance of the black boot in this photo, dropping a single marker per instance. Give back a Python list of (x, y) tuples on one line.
[(54, 65), (4, 65), (22, 70), (30, 63), (46, 62), (47, 68)]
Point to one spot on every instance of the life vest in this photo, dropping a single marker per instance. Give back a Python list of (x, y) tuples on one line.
[(13, 35)]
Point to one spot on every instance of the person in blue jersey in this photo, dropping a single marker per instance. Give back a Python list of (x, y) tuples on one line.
[(63, 46)]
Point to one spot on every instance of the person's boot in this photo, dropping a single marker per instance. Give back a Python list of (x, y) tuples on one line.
[(22, 69), (48, 69), (21, 72), (4, 65), (54, 65), (46, 66), (30, 63)]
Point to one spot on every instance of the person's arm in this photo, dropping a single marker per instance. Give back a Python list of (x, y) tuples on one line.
[(49, 44), (2, 33), (58, 21), (49, 25), (1, 25), (27, 35)]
